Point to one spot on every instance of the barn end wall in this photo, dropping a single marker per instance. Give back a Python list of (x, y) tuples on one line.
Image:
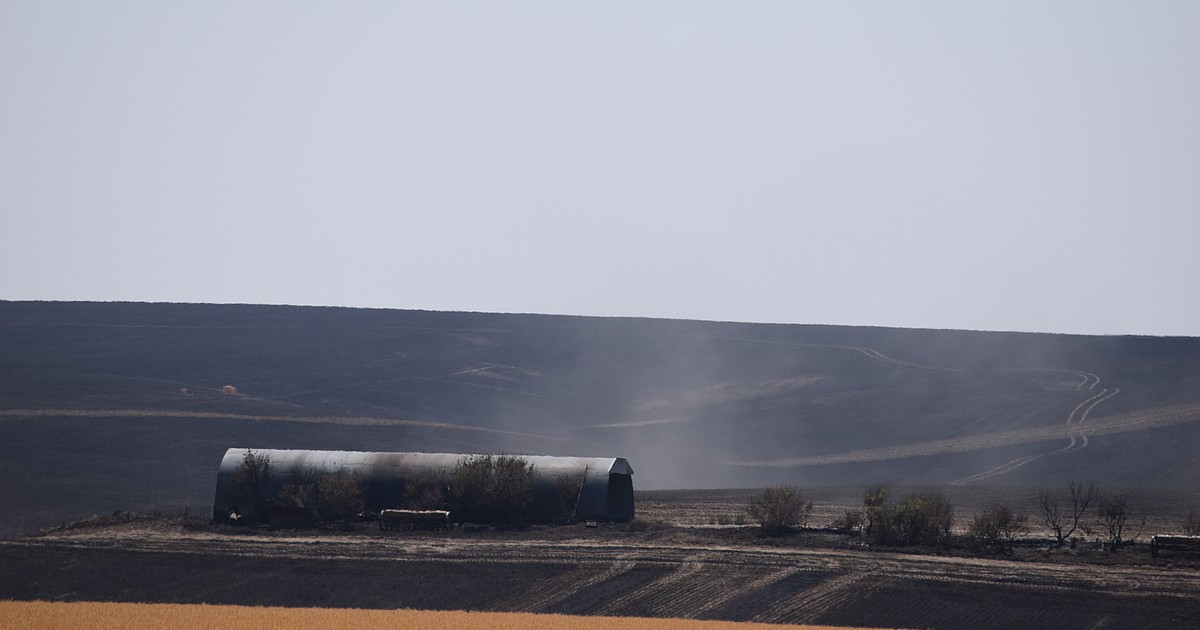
[(606, 492)]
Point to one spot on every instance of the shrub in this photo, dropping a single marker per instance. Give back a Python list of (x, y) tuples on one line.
[(778, 510), (332, 496), (851, 521), (996, 528), (923, 519), (874, 500), (1113, 517), (250, 485), (496, 490), (1191, 523), (1065, 520), (426, 491), (301, 489), (339, 496), (567, 491)]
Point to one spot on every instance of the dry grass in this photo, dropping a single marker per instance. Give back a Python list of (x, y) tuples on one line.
[(73, 615)]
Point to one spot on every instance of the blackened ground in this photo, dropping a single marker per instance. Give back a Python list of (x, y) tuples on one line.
[(638, 570)]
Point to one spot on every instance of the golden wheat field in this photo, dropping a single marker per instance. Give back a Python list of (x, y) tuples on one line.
[(74, 615)]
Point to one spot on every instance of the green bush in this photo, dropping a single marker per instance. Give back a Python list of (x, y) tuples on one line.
[(495, 490), (778, 510), (923, 519)]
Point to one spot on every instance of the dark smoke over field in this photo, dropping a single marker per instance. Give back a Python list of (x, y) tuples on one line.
[(106, 406)]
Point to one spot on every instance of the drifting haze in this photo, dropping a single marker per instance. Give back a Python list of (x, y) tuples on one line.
[(997, 166)]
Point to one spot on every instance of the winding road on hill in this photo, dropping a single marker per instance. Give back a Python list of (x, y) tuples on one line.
[(1078, 442), (1073, 430)]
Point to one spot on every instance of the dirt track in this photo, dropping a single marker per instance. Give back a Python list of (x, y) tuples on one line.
[(652, 572)]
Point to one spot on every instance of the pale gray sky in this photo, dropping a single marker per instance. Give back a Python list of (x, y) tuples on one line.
[(999, 166)]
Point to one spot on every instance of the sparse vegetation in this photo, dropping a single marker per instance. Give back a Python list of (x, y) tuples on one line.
[(488, 571), (426, 491), (332, 496), (1191, 523), (492, 489), (339, 496), (301, 489), (250, 483), (567, 491), (851, 522), (777, 510), (1064, 518), (1118, 521), (873, 501), (922, 519), (996, 528)]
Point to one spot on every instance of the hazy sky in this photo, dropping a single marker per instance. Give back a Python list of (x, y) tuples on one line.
[(999, 166)]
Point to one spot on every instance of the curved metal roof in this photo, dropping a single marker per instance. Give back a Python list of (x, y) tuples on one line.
[(599, 497)]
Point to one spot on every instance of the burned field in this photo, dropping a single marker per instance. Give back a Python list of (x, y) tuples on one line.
[(109, 407), (655, 566)]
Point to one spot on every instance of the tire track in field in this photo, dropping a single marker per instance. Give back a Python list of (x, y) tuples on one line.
[(559, 589), (879, 356), (1077, 416), (809, 604), (1124, 423), (216, 415), (668, 587), (1088, 381), (702, 584), (742, 588)]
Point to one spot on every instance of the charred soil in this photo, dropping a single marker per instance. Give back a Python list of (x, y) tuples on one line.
[(642, 568)]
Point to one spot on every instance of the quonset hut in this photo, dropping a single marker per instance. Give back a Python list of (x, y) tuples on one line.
[(606, 491)]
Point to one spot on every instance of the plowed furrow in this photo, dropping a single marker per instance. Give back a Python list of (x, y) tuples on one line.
[(809, 604), (645, 600), (741, 589), (551, 593)]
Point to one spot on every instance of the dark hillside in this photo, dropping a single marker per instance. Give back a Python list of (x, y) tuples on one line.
[(120, 406)]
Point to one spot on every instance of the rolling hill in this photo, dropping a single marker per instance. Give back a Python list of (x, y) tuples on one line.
[(108, 406)]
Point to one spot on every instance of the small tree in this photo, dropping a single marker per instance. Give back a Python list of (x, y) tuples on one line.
[(779, 509), (339, 496), (1116, 517), (470, 486), (1066, 520), (495, 490), (1191, 523), (923, 519), (874, 500), (513, 493), (426, 491), (996, 528), (851, 521), (332, 496), (567, 490), (301, 489), (250, 484)]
